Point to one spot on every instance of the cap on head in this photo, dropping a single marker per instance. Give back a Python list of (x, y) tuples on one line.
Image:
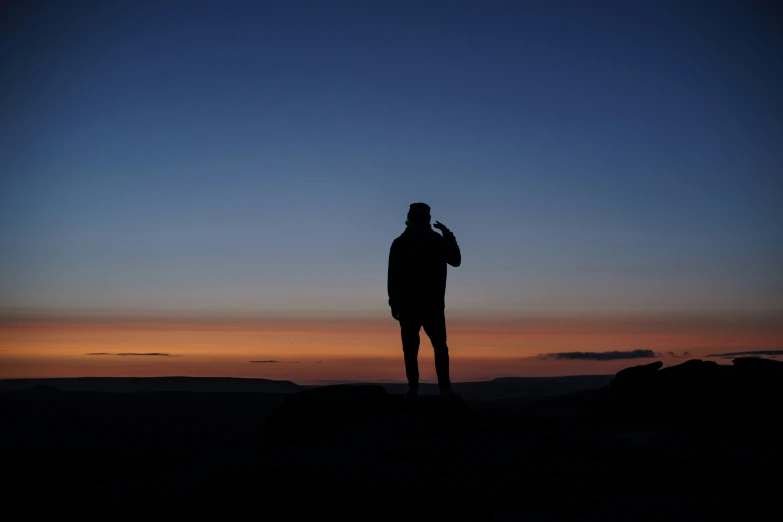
[(419, 213)]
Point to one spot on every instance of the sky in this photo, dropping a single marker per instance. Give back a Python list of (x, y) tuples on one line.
[(197, 161)]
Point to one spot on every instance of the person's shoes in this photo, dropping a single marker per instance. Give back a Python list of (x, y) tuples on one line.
[(413, 393)]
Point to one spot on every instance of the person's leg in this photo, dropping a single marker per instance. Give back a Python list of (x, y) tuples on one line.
[(409, 331), (435, 328)]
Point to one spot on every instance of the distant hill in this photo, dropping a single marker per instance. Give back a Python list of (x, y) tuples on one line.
[(152, 384), (502, 388)]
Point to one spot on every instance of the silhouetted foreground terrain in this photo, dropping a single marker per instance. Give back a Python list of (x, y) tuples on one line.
[(508, 387), (690, 442)]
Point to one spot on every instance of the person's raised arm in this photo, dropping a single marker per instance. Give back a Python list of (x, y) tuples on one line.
[(453, 254)]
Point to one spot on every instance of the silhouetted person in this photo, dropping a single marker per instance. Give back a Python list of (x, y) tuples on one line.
[(417, 289)]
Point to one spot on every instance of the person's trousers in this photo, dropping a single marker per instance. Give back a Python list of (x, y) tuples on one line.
[(434, 323)]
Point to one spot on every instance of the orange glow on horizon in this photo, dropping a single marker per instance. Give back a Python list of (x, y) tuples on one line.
[(317, 350)]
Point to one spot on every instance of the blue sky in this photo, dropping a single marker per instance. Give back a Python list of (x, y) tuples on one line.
[(259, 157)]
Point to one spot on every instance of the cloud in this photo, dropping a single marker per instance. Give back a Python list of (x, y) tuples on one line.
[(600, 356), (676, 355), (132, 354), (770, 353), (340, 382), (269, 361)]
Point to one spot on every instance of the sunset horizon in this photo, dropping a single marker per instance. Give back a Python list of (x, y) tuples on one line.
[(322, 349), (223, 184)]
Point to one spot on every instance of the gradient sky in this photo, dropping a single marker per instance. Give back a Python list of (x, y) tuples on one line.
[(258, 158)]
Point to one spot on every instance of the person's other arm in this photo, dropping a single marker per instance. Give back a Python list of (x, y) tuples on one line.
[(393, 278)]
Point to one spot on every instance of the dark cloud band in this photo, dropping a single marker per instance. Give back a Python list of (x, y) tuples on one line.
[(771, 353), (133, 354), (600, 356)]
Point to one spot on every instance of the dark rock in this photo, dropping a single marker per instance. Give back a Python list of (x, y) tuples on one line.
[(759, 378), (433, 414), (347, 410), (694, 374), (697, 395), (687, 395), (758, 397), (637, 376), (306, 415), (691, 393), (753, 368)]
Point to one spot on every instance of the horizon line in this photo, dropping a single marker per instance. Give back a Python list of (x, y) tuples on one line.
[(336, 381)]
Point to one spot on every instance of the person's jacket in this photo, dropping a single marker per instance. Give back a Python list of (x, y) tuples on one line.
[(417, 268)]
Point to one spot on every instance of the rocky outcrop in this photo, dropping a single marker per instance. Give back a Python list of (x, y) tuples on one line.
[(637, 376), (319, 413), (308, 414), (757, 374), (696, 394)]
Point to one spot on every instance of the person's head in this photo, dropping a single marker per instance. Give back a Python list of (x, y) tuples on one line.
[(419, 214)]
